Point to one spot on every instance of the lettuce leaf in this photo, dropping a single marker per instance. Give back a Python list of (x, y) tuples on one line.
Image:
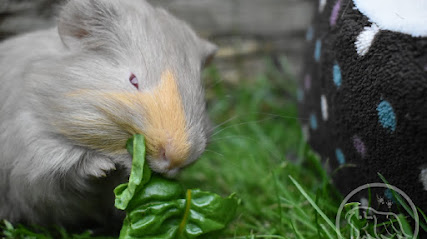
[(160, 208)]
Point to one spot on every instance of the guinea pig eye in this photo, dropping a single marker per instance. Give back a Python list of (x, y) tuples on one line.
[(133, 80)]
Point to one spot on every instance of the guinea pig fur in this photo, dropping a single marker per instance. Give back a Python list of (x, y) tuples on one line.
[(71, 96)]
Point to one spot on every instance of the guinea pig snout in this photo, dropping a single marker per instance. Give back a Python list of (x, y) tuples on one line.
[(171, 157), (166, 155), (165, 125)]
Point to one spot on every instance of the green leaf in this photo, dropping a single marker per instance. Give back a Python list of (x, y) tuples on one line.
[(140, 173), (207, 212), (160, 208)]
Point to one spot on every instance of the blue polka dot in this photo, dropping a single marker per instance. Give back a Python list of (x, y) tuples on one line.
[(337, 75), (389, 195), (317, 50), (340, 156), (309, 34), (386, 115), (300, 95), (313, 121)]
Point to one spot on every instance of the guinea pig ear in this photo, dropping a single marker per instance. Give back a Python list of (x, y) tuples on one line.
[(208, 52), (80, 20)]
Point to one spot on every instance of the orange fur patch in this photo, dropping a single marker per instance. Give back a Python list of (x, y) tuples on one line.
[(166, 120)]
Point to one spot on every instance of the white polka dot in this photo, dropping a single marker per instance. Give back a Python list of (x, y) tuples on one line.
[(324, 107), (365, 39), (322, 4), (407, 16), (423, 178)]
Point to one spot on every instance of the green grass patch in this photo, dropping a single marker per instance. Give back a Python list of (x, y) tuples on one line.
[(257, 151)]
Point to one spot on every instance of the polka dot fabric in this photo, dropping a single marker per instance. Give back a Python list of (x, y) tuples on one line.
[(366, 113)]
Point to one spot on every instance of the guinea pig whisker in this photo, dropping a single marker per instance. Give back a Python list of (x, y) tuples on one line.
[(282, 116), (221, 124), (211, 151), (239, 124), (214, 84), (234, 137), (271, 117)]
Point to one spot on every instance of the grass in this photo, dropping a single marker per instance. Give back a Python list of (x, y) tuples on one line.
[(257, 151)]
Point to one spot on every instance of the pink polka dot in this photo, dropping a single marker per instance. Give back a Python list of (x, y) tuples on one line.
[(335, 11), (307, 82), (359, 146)]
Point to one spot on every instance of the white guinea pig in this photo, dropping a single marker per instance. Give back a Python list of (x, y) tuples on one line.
[(71, 96)]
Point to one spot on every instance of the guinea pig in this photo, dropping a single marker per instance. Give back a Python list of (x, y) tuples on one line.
[(71, 97)]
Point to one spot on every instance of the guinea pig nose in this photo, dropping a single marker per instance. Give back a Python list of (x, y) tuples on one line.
[(163, 155), (168, 157)]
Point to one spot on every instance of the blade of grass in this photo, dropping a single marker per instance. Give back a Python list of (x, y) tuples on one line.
[(316, 216), (422, 213), (326, 231), (277, 197), (313, 204), (297, 233)]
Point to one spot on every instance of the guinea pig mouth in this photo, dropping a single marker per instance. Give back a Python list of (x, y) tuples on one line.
[(163, 166)]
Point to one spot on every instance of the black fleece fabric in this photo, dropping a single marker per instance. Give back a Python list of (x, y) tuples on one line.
[(365, 114)]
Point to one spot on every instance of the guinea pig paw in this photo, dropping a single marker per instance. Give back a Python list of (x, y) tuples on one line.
[(98, 167)]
